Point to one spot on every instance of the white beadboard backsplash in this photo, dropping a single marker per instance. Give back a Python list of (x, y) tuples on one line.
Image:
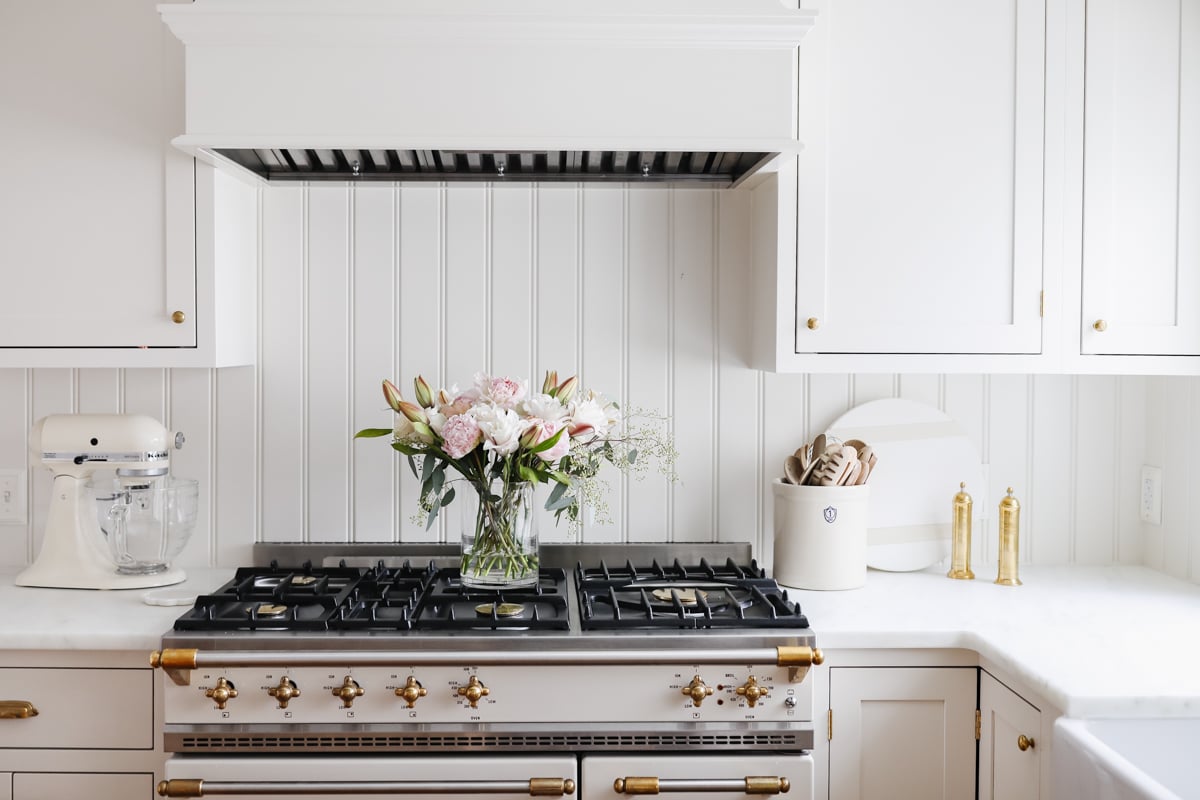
[(643, 292)]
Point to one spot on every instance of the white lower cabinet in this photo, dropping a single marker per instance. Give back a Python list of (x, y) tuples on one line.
[(77, 724), (94, 786), (902, 733), (1010, 743)]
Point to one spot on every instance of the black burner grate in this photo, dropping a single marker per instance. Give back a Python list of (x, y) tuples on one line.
[(449, 605), (677, 596)]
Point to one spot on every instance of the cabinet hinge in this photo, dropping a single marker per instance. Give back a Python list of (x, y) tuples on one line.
[(1041, 304), (978, 724), (829, 727)]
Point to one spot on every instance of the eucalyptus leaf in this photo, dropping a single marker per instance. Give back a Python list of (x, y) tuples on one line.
[(427, 465), (412, 464), (632, 457), (555, 493), (563, 502), (437, 480), (447, 497), (433, 512)]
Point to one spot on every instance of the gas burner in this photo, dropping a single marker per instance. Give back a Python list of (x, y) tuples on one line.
[(449, 605), (500, 609), (267, 610), (689, 596)]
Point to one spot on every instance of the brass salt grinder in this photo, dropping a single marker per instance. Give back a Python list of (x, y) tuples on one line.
[(960, 557), (1010, 515)]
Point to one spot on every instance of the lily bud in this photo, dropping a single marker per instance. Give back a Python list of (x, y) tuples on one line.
[(392, 395), (424, 393), (550, 383), (566, 389), (530, 437), (413, 411)]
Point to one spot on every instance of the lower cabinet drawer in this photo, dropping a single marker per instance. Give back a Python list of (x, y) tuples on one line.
[(111, 709), (94, 786)]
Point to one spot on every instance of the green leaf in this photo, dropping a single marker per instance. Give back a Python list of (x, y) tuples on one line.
[(562, 502), (563, 478), (427, 465), (412, 464), (557, 492), (447, 497), (632, 457), (372, 433), (528, 474), (433, 512), (437, 480), (406, 449), (546, 445)]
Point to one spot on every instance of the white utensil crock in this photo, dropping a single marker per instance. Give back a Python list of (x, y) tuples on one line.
[(820, 535)]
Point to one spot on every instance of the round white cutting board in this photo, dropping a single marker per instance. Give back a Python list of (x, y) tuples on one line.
[(923, 456)]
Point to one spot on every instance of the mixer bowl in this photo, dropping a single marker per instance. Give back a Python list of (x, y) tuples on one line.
[(146, 522)]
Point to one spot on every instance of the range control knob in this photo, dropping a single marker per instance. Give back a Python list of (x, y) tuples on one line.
[(222, 693), (751, 691), (285, 691), (697, 690), (348, 691), (473, 691), (411, 691)]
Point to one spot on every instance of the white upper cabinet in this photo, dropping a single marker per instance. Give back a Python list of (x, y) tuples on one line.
[(1141, 186), (99, 214), (920, 199)]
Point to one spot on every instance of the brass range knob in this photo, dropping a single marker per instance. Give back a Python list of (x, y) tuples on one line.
[(222, 693), (348, 691), (1025, 743), (697, 690), (473, 691), (285, 691), (411, 691), (751, 691)]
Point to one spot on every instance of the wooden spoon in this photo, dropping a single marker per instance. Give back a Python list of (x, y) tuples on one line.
[(793, 470)]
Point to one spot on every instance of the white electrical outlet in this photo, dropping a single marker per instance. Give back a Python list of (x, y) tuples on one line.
[(1150, 497), (12, 495)]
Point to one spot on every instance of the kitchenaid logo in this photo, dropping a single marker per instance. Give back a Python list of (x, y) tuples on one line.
[(830, 514)]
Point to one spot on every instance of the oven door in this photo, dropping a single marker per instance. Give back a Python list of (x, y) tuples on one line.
[(333, 777), (697, 776)]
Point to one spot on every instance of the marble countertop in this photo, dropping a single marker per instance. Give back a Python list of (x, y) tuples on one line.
[(1118, 641), (1094, 641)]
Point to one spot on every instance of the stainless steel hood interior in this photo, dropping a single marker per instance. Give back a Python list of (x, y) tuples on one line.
[(632, 91), (299, 164)]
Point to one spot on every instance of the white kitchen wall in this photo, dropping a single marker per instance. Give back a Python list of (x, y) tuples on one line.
[(642, 292)]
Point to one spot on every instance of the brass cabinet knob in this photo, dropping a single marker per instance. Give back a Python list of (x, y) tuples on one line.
[(178, 317), (222, 693), (285, 691), (813, 323), (1025, 743), (751, 691), (17, 709), (1100, 325), (697, 690), (348, 691), (411, 691), (473, 691)]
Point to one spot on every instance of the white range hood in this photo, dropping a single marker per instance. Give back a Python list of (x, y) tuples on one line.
[(628, 90)]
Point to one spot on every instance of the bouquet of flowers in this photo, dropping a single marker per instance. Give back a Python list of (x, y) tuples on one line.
[(502, 439)]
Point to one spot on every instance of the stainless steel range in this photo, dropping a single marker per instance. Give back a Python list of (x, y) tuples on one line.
[(640, 670)]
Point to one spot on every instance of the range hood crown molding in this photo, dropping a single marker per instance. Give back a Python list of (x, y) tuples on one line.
[(649, 90)]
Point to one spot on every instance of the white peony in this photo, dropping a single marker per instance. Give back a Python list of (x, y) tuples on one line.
[(501, 427), (593, 416), (543, 406)]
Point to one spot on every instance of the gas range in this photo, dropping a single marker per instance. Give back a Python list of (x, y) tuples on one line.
[(617, 651)]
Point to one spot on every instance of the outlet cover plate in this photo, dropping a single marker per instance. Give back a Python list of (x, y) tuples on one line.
[(1150, 495), (12, 496)]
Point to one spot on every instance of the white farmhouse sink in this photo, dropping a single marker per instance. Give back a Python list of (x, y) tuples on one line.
[(1126, 759)]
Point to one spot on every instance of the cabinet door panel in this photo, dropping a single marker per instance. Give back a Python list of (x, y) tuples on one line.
[(1141, 246), (60, 785), (921, 185), (5, 786), (902, 733), (1006, 772)]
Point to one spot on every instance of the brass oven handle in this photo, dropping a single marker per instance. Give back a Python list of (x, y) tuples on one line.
[(751, 784), (534, 787), (179, 662), (17, 709)]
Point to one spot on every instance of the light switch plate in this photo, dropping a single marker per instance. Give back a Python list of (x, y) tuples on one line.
[(12, 495)]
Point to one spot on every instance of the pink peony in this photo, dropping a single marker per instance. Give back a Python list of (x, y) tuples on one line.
[(545, 429), (505, 392), (460, 435)]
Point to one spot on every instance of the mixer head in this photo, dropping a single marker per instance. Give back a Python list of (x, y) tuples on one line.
[(137, 447)]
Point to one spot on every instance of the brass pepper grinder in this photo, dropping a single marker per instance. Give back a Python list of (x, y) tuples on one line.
[(1010, 516), (960, 557)]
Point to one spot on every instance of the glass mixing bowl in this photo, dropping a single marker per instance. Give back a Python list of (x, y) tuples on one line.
[(146, 521)]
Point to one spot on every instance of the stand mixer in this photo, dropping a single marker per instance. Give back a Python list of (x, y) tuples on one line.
[(74, 447)]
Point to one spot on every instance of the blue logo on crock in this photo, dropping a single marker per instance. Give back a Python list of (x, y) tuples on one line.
[(830, 514)]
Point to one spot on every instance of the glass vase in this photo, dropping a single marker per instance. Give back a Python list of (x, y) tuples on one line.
[(499, 539)]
